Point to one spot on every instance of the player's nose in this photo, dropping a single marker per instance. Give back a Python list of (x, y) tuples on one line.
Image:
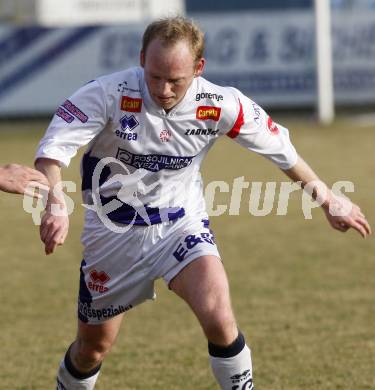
[(164, 89)]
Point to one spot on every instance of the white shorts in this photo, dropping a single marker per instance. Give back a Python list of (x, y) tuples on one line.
[(118, 270)]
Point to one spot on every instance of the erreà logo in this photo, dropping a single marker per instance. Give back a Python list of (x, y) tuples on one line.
[(130, 104), (208, 112), (98, 280)]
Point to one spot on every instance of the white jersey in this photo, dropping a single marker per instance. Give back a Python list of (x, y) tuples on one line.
[(153, 157)]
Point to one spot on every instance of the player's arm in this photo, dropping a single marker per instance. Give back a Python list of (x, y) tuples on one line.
[(19, 179), (76, 122), (301, 172), (255, 130), (54, 226)]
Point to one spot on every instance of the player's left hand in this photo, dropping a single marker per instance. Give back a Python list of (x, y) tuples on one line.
[(53, 230), (342, 215)]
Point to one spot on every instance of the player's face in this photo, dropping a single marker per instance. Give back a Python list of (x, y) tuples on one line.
[(169, 71)]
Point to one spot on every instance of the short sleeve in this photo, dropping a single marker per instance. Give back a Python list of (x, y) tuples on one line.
[(76, 122), (255, 130)]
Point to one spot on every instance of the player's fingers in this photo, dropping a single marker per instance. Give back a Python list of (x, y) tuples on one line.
[(47, 227), (50, 237), (36, 190), (50, 248), (62, 237), (42, 235), (59, 238), (34, 173), (39, 175), (55, 240), (43, 230), (32, 193), (365, 224), (360, 229), (357, 213), (40, 184), (50, 232), (369, 228), (50, 245), (36, 194)]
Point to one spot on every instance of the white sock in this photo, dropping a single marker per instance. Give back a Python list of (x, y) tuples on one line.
[(66, 380), (232, 365)]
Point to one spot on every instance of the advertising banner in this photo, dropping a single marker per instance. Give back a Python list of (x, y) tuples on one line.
[(269, 56)]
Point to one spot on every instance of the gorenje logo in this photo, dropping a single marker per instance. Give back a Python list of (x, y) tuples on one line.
[(98, 280), (206, 95)]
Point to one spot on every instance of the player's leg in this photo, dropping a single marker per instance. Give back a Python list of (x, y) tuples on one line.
[(203, 284), (80, 366), (111, 282)]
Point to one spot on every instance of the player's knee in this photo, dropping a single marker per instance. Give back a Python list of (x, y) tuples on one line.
[(89, 353), (220, 327)]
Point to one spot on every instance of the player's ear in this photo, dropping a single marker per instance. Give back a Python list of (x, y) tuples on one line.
[(199, 67), (142, 58)]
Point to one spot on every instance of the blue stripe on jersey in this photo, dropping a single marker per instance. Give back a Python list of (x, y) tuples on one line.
[(88, 165), (127, 214)]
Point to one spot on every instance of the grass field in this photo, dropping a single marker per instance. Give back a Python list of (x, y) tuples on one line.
[(303, 293)]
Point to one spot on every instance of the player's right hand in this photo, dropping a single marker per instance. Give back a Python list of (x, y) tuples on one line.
[(53, 230)]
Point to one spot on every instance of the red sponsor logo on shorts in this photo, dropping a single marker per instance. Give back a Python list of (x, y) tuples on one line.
[(131, 104), (272, 126), (208, 112), (98, 280)]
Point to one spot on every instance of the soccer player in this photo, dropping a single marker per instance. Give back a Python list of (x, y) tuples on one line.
[(148, 129), (19, 179)]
